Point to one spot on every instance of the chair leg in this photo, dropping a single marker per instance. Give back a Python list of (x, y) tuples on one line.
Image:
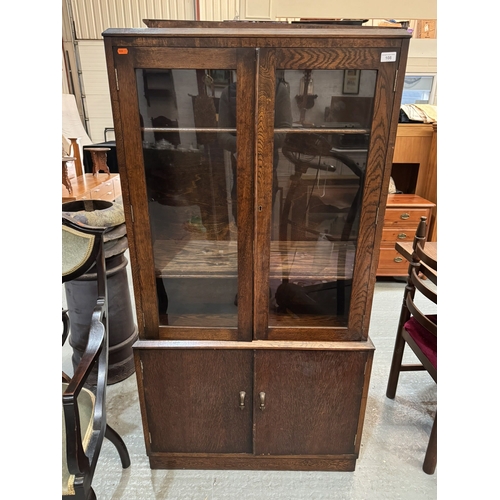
[(115, 438), (430, 459), (397, 359)]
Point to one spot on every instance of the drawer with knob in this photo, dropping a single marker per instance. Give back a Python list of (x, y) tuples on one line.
[(403, 216), (392, 235), (401, 219), (391, 263)]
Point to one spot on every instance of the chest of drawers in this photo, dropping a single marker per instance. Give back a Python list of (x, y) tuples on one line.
[(401, 219)]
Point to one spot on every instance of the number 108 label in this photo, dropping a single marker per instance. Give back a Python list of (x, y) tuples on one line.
[(388, 57)]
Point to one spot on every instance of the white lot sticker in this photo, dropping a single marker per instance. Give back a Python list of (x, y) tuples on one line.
[(388, 56)]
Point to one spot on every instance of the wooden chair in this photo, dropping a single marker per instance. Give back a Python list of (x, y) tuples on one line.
[(84, 407), (417, 329)]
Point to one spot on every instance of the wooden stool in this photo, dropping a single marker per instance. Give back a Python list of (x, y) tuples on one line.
[(65, 177), (99, 157), (75, 147)]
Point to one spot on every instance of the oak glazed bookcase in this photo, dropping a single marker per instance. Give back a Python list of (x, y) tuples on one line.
[(255, 166)]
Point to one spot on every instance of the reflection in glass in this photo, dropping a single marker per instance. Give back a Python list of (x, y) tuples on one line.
[(189, 180), (319, 184), (418, 89)]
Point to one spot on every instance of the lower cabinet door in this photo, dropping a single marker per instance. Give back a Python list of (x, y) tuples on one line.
[(193, 400), (307, 402)]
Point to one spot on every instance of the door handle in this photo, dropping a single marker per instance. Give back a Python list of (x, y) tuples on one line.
[(242, 400), (262, 397)]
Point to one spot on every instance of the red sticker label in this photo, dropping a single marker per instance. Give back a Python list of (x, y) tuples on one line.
[(122, 51)]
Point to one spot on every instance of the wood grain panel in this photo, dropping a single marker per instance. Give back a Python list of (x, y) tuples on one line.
[(120, 129), (131, 161), (192, 400), (392, 106), (266, 84), (328, 58), (254, 345), (245, 143), (250, 462), (255, 36), (188, 58), (307, 410), (428, 186), (376, 180)]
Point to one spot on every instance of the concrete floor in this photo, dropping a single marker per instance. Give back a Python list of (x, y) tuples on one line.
[(395, 438)]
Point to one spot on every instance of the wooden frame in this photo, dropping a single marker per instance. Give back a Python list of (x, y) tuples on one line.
[(266, 394), (351, 81)]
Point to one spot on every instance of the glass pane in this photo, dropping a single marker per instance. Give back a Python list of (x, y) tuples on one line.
[(417, 89), (319, 165), (190, 181)]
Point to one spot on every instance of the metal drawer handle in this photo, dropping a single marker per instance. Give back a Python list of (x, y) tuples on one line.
[(398, 259), (262, 397), (242, 400), (405, 216), (402, 236)]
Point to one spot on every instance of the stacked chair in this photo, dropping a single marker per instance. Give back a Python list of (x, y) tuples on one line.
[(84, 406), (417, 329)]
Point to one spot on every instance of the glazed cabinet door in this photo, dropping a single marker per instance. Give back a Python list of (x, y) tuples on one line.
[(196, 400), (186, 134), (321, 178), (309, 402)]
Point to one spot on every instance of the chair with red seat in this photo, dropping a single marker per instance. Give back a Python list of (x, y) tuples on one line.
[(417, 329)]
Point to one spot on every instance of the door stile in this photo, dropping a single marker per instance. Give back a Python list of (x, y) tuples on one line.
[(124, 180), (376, 176), (393, 117), (266, 78), (245, 188), (133, 164)]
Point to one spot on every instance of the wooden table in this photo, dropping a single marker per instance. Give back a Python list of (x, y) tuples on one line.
[(406, 249), (93, 187)]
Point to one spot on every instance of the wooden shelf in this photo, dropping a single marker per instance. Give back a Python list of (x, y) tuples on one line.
[(299, 260), (416, 143)]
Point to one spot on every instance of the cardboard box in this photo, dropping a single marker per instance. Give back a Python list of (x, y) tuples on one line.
[(426, 28)]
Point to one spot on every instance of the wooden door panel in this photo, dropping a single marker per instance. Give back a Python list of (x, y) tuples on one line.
[(158, 179), (192, 400), (312, 401), (338, 309)]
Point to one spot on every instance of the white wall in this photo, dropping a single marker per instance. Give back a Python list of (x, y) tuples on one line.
[(354, 9), (92, 18)]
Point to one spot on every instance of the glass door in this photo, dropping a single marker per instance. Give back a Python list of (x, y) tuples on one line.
[(327, 170), (196, 178)]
